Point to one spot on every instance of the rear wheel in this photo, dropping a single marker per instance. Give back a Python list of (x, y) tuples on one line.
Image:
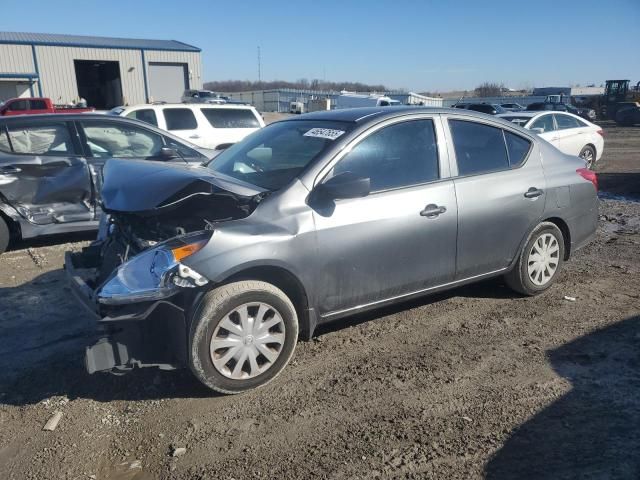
[(243, 334), (5, 235), (588, 154), (539, 262)]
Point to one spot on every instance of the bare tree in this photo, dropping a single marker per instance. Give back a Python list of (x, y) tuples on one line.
[(315, 84), (489, 89)]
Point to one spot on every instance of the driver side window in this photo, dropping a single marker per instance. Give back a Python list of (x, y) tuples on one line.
[(114, 140), (400, 155)]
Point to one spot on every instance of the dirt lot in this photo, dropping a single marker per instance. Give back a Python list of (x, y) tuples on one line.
[(473, 383)]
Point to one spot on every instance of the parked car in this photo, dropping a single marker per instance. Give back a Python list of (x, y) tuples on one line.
[(491, 109), (512, 107), (567, 132), (208, 126), (586, 113), (36, 106), (51, 168), (201, 96), (628, 114), (313, 219)]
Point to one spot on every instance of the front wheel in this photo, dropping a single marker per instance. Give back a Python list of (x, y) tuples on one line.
[(243, 334), (539, 262)]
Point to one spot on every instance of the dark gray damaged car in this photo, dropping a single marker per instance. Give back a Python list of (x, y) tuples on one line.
[(222, 267)]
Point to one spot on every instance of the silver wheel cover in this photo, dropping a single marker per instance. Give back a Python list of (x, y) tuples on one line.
[(247, 341), (543, 259)]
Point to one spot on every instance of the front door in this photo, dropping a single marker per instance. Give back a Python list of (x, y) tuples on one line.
[(500, 188), (571, 134), (105, 139), (42, 172), (401, 237)]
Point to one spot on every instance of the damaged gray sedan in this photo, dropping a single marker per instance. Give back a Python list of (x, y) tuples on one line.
[(222, 267), (51, 168)]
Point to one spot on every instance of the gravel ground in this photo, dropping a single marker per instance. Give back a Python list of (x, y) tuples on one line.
[(476, 382)]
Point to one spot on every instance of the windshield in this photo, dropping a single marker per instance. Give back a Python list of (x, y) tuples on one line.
[(206, 94), (273, 156)]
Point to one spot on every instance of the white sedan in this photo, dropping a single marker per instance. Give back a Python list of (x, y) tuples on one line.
[(567, 132)]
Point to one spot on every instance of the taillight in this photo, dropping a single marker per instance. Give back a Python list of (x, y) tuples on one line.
[(600, 132), (588, 175)]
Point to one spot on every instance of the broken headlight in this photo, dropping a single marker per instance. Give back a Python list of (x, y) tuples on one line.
[(155, 273)]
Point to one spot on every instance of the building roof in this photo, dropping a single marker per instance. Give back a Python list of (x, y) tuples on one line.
[(54, 39)]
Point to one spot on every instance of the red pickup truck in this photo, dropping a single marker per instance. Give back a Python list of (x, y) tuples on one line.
[(31, 106)]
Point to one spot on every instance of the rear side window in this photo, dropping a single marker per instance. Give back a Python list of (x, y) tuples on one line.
[(517, 147), (41, 139), (396, 156), (38, 105), (19, 106), (146, 115), (479, 148), (180, 119), (545, 123), (565, 121), (230, 118)]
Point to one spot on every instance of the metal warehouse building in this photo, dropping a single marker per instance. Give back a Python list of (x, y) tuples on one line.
[(105, 71)]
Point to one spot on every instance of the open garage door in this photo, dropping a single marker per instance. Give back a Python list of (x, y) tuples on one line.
[(99, 83), (167, 81)]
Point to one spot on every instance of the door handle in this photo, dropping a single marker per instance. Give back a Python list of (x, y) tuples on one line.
[(10, 169), (194, 136), (432, 211), (533, 192)]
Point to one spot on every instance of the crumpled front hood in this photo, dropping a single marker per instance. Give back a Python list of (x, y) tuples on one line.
[(138, 186)]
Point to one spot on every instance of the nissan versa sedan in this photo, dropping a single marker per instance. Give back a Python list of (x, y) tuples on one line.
[(222, 267)]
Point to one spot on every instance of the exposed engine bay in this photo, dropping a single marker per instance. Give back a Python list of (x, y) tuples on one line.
[(129, 234)]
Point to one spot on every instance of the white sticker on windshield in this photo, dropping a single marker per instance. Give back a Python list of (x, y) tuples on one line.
[(327, 133)]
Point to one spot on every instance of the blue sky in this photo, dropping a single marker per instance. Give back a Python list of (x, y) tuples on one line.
[(416, 45)]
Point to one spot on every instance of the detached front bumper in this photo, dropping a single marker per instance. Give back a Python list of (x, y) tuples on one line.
[(140, 334)]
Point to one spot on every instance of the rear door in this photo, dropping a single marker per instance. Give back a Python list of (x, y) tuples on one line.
[(228, 125), (500, 188), (43, 174)]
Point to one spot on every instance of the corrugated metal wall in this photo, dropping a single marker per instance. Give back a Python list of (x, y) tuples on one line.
[(58, 76), (190, 58), (16, 59)]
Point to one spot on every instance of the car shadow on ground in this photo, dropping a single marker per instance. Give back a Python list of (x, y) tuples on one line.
[(594, 430), (51, 240), (44, 332), (492, 288), (622, 184)]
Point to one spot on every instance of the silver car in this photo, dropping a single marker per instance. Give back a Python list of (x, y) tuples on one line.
[(222, 267)]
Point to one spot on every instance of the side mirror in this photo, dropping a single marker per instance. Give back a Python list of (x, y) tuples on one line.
[(538, 130), (343, 185), (167, 153)]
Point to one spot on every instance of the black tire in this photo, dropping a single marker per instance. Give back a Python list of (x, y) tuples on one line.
[(518, 278), (214, 308), (5, 235), (588, 154)]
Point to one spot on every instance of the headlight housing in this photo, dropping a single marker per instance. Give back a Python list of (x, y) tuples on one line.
[(155, 273)]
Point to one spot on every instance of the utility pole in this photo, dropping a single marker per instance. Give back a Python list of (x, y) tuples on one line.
[(259, 66)]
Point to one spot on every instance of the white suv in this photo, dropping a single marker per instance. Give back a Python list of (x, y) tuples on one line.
[(206, 125)]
